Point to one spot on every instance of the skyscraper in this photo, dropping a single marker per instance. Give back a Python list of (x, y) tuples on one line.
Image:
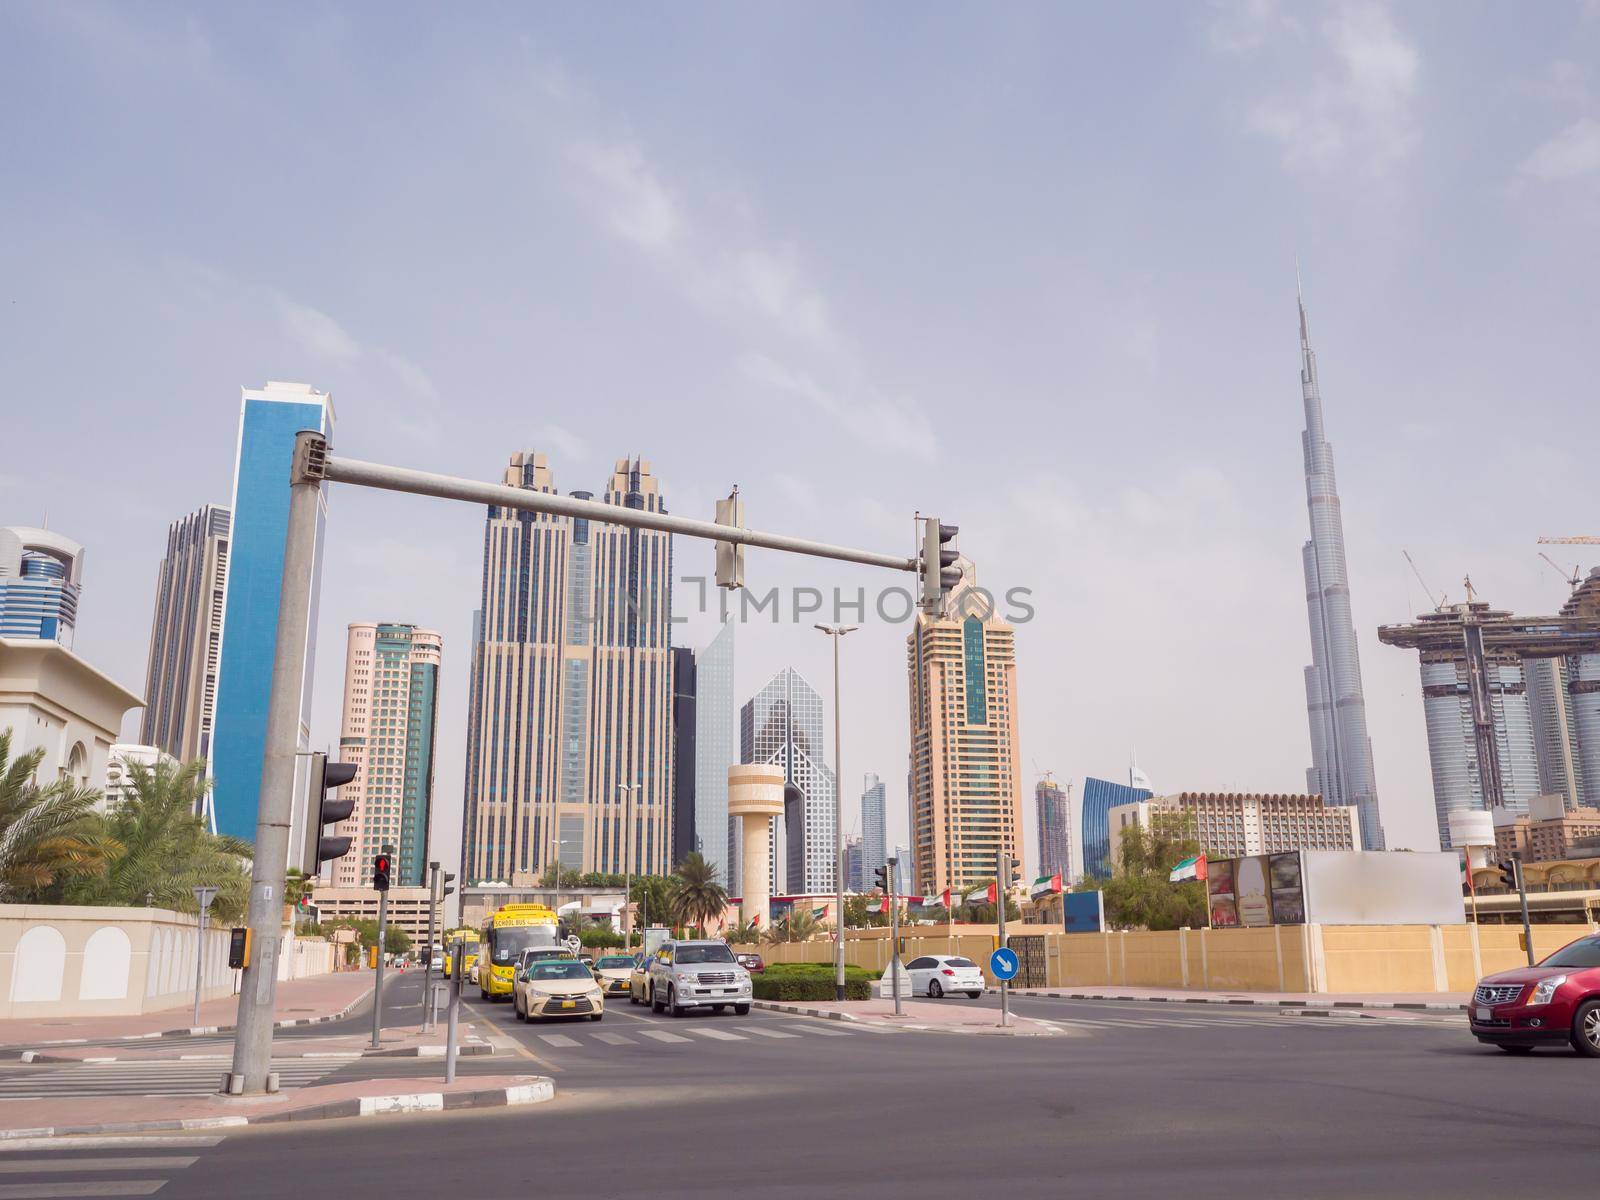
[(1341, 753), (391, 701), (856, 875), (1100, 796), (1054, 811), (269, 418), (782, 725), (1555, 739), (41, 577), (685, 837), (186, 636), (716, 748), (1583, 691), (965, 765), (874, 828), (571, 687)]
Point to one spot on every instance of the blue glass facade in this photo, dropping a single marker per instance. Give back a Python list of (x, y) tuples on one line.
[(1100, 796), (268, 423), (38, 586)]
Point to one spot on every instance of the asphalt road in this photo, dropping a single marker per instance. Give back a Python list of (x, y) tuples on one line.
[(1128, 1100)]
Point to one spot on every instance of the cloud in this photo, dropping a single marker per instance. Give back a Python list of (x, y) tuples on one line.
[(638, 208), (321, 336), (876, 421), (1570, 154), (569, 445), (1352, 101)]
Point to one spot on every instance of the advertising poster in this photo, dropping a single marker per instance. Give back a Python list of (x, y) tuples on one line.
[(1250, 891), (1224, 911), (1085, 912), (1288, 898)]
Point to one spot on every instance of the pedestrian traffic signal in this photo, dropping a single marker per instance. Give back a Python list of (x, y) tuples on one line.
[(380, 872), (880, 879), (1508, 875), (939, 571), (238, 948), (323, 810)]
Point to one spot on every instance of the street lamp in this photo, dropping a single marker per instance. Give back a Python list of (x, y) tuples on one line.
[(555, 865), (630, 790), (836, 632)]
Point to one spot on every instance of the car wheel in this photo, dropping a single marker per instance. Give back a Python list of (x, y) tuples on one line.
[(672, 1003), (935, 989), (522, 1014), (595, 1016), (1586, 1029), (973, 995), (655, 1005), (716, 1008), (741, 1010), (1517, 1050)]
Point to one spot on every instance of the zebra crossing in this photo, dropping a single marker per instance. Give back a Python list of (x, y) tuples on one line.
[(159, 1077), (688, 1033), (37, 1168)]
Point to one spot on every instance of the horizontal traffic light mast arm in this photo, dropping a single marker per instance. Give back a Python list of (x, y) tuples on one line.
[(447, 487)]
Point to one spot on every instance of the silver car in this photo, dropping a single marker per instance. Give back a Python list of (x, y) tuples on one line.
[(697, 974)]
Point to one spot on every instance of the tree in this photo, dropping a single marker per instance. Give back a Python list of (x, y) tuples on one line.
[(798, 926), (395, 939), (861, 912), (48, 836), (653, 895), (162, 850), (744, 933), (555, 875), (1139, 894), (698, 898)]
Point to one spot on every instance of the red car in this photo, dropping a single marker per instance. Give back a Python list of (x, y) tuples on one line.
[(752, 963), (1556, 1001)]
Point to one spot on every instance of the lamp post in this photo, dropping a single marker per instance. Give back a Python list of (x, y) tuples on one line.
[(836, 632), (630, 790), (555, 865)]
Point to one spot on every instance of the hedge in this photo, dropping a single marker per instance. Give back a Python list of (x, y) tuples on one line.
[(808, 987)]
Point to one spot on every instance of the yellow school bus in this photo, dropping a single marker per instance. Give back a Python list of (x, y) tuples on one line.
[(468, 940), (512, 929)]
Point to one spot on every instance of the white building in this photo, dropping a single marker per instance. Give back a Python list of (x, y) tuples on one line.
[(123, 756), (1234, 824), (54, 700)]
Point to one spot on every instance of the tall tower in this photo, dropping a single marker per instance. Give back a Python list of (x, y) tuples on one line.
[(716, 748), (1054, 811), (180, 681), (41, 574), (391, 699), (571, 688), (1341, 753), (874, 826), (781, 725), (965, 765)]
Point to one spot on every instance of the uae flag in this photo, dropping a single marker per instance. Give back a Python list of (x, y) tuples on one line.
[(1189, 868), (940, 901), (1046, 885), (983, 895), (820, 913), (883, 905)]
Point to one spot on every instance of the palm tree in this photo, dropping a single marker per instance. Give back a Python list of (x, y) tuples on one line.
[(163, 848), (745, 933), (800, 926), (698, 898), (47, 834)]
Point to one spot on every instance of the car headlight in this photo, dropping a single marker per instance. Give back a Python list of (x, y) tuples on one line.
[(1546, 989)]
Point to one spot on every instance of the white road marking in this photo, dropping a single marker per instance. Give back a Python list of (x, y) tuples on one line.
[(615, 1039), (719, 1035), (557, 1039), (118, 1142), (662, 1035), (150, 1162), (761, 1031)]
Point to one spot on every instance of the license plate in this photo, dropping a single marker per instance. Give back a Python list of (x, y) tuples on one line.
[(569, 1004), (1484, 1014)]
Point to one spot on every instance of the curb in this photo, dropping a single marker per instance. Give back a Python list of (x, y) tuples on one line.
[(825, 1014), (1403, 1005), (34, 1056), (207, 1030), (864, 1023), (538, 1090)]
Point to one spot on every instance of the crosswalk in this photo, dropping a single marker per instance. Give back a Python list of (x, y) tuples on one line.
[(166, 1077), (37, 1168), (686, 1034)]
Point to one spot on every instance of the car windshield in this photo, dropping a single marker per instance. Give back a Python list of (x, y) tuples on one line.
[(1583, 953), (960, 962), (557, 970), (506, 944), (702, 954), (614, 962)]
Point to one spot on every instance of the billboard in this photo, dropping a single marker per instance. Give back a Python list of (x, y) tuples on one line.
[(1085, 912), (1256, 891)]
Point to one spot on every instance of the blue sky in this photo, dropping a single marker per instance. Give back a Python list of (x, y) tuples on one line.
[(1031, 269)]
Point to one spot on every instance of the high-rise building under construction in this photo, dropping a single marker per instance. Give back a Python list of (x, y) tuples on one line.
[(1341, 753)]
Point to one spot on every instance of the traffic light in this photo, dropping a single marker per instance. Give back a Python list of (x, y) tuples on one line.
[(880, 878), (1010, 869), (323, 810), (380, 872), (448, 880), (939, 570), (1508, 875), (730, 555)]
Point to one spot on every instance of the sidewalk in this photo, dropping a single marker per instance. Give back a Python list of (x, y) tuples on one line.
[(299, 1001), (927, 1016), (1427, 1001)]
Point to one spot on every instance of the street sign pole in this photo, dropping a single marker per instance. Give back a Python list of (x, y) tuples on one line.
[(427, 950), (203, 897), (894, 934), (459, 956), (1001, 873), (1522, 891), (377, 985)]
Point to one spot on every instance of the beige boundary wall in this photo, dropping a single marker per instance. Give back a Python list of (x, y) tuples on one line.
[(65, 960), (1280, 958)]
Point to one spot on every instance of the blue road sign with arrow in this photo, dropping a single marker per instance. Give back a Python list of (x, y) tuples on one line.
[(1003, 963)]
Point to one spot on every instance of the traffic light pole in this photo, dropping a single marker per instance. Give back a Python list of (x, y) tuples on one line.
[(252, 1045), (1527, 925), (377, 983), (427, 952), (892, 878)]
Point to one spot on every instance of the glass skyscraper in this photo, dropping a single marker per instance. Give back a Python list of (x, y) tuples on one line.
[(1100, 796), (1054, 810), (716, 748), (180, 681), (269, 418), (41, 574), (874, 828), (782, 724)]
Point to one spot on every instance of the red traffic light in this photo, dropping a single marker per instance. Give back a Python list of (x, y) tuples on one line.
[(380, 872)]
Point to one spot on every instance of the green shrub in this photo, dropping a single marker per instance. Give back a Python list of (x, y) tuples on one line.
[(821, 970), (808, 986)]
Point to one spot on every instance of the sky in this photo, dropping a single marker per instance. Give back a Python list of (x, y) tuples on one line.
[(1030, 269)]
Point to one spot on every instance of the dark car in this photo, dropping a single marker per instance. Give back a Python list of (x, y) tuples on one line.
[(1556, 1001), (752, 963)]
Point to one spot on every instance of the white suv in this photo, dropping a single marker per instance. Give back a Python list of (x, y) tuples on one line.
[(699, 974)]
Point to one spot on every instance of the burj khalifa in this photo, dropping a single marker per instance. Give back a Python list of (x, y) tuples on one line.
[(1341, 752)]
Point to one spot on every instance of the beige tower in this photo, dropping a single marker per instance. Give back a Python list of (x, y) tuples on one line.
[(755, 795)]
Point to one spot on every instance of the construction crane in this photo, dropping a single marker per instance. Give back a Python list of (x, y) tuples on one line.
[(1580, 540), (1572, 579), (1426, 590)]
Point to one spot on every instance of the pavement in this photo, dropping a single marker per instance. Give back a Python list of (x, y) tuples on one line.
[(928, 1016), (1435, 1001)]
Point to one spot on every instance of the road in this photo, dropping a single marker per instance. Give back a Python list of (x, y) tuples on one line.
[(1128, 1100)]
